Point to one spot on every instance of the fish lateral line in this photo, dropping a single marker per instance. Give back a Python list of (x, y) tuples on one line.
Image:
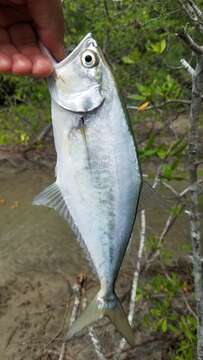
[(82, 128)]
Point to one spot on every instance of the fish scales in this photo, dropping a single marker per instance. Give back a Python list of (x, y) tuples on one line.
[(97, 172)]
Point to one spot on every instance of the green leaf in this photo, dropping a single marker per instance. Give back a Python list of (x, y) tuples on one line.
[(162, 153), (158, 47), (127, 60), (162, 46), (144, 90), (136, 97), (176, 210), (164, 326)]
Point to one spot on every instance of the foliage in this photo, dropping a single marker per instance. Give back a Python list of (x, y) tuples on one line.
[(142, 57), (139, 40), (24, 108), (166, 317)]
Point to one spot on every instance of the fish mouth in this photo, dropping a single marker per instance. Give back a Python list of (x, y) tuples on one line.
[(83, 43)]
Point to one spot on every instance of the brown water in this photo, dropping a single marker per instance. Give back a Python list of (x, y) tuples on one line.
[(39, 259)]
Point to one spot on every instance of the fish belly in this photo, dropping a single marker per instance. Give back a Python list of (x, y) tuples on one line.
[(98, 174)]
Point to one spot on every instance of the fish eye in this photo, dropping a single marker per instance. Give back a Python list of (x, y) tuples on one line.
[(89, 59)]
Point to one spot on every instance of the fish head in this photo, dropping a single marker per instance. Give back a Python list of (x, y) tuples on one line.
[(76, 84)]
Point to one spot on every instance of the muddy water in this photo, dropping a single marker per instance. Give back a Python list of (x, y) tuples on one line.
[(39, 257), (37, 238), (31, 236)]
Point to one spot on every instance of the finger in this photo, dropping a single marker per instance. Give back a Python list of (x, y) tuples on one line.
[(48, 19), (24, 39), (5, 63), (21, 65), (10, 60), (5, 57)]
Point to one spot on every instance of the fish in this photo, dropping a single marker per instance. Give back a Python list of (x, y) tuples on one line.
[(98, 176)]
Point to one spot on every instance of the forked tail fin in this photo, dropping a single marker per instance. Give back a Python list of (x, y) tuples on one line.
[(93, 313)]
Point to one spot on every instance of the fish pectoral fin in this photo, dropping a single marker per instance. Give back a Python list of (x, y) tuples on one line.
[(92, 313), (88, 317), (53, 198)]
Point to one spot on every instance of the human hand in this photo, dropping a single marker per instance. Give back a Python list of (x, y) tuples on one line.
[(22, 24)]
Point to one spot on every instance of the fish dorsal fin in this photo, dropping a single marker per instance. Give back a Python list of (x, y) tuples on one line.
[(53, 198)]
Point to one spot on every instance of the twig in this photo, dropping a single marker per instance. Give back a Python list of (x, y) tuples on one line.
[(190, 42), (96, 344), (183, 193), (168, 186), (192, 10), (142, 344), (196, 9), (187, 66), (95, 340), (11, 336), (135, 279), (77, 290), (77, 293), (188, 306), (188, 189), (62, 352), (138, 267), (157, 177), (169, 223), (180, 205), (159, 106)]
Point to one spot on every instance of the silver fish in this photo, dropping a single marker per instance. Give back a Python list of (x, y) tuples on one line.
[(98, 177)]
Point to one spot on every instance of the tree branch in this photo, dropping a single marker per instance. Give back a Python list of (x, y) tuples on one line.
[(183, 35), (192, 10), (187, 66)]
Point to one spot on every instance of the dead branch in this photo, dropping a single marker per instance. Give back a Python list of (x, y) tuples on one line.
[(135, 279), (183, 35), (193, 11), (187, 66), (77, 290), (94, 338)]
